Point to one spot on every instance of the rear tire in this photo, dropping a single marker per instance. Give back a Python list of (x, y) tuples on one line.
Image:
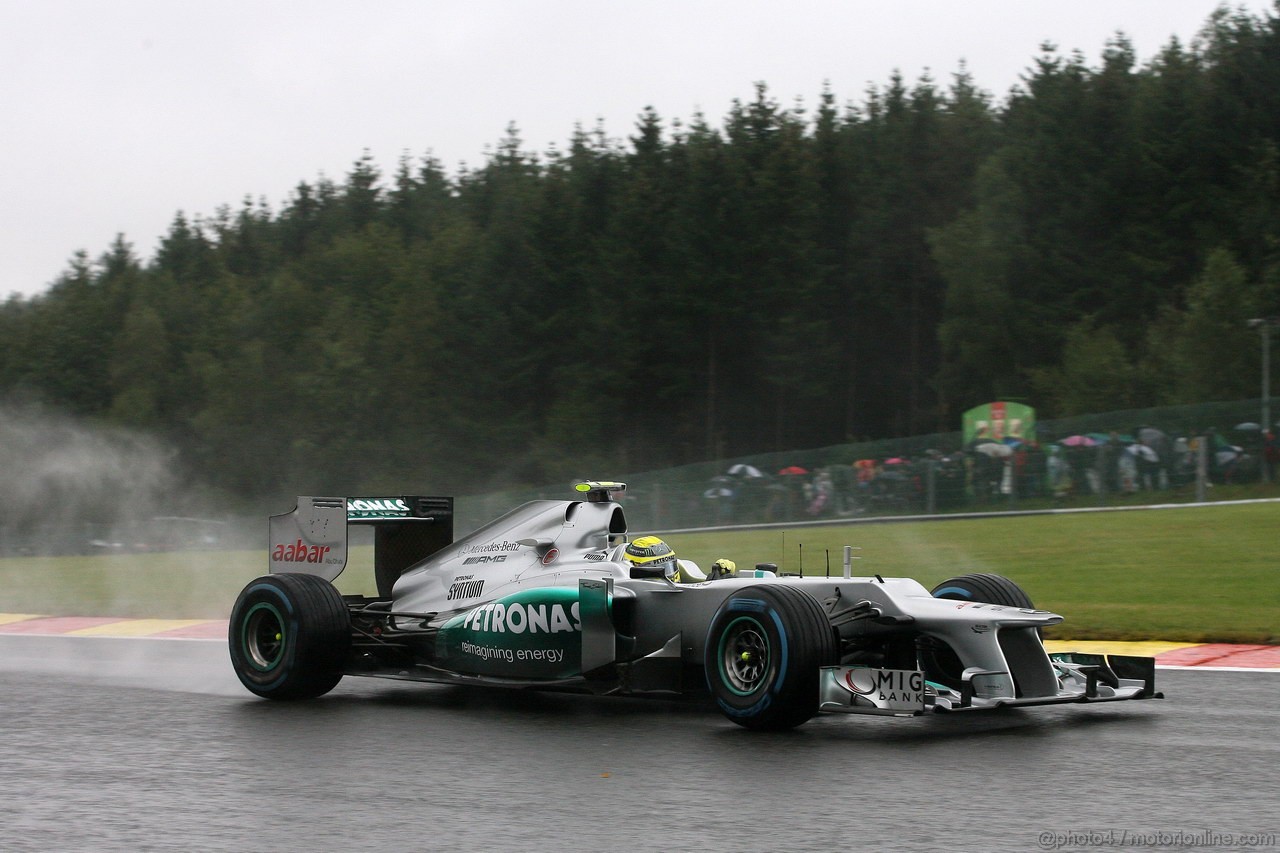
[(764, 647), (289, 636)]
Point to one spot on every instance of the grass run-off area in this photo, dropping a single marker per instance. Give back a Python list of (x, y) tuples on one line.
[(1197, 574)]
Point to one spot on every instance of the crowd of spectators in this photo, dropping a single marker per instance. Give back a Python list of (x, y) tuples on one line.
[(984, 473)]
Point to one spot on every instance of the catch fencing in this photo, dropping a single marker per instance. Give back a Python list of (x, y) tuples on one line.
[(1168, 454)]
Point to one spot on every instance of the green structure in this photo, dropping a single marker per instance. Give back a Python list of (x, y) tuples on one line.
[(998, 421)]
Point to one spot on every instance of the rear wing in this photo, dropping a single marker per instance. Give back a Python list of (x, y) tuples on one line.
[(312, 539)]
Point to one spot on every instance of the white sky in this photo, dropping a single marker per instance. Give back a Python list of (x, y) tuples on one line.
[(118, 115)]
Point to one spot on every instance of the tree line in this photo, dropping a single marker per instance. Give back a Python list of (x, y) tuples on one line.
[(787, 277)]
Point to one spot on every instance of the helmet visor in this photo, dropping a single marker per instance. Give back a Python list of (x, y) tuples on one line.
[(663, 568)]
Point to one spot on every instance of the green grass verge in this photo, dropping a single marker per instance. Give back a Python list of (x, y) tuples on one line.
[(1196, 574), (185, 585)]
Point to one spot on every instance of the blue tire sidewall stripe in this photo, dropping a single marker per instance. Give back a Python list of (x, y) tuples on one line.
[(755, 605), (290, 632)]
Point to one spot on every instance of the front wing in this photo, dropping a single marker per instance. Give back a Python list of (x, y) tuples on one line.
[(898, 692)]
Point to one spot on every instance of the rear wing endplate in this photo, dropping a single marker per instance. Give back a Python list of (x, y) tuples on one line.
[(312, 539)]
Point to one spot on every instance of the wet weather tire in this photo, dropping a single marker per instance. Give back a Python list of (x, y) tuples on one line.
[(984, 589), (289, 636), (940, 662), (763, 651)]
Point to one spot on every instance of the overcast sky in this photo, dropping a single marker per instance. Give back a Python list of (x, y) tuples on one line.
[(117, 115)]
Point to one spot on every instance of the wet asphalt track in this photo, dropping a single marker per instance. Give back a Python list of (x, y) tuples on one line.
[(153, 745)]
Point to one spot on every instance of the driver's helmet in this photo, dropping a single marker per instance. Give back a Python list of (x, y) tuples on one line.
[(650, 557)]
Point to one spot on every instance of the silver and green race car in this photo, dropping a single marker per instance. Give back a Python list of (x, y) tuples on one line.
[(543, 598)]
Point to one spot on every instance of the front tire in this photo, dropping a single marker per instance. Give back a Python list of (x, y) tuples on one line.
[(289, 636), (940, 662), (985, 589), (764, 648)]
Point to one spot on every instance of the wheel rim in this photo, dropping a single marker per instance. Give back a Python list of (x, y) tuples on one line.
[(744, 656), (263, 637)]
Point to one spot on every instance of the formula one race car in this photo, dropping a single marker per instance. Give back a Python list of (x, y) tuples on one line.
[(543, 597)]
